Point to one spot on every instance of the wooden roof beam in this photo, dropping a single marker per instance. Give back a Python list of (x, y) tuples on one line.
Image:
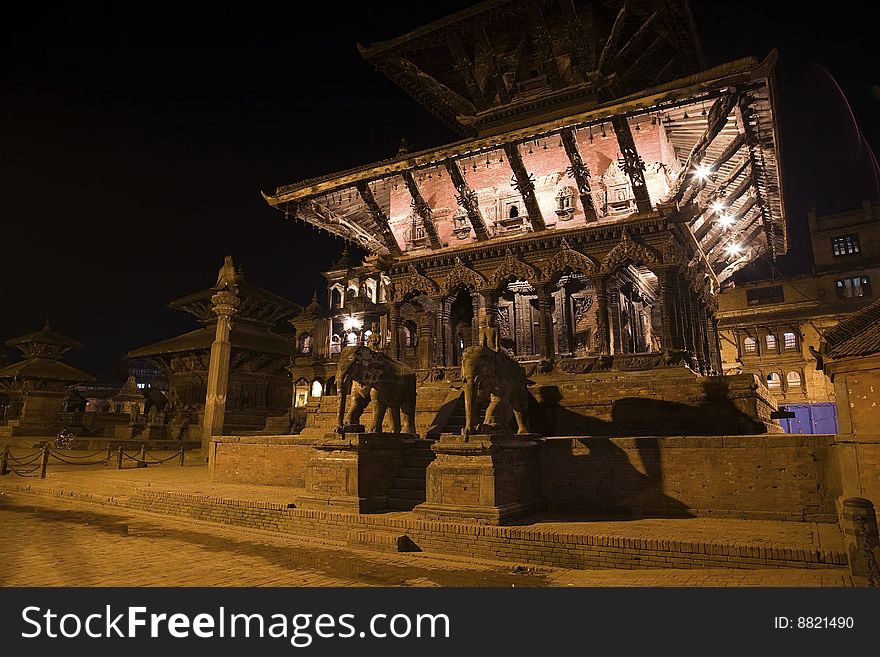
[(421, 207), (633, 165), (525, 186), (492, 63), (381, 219), (729, 151), (545, 47), (613, 38), (584, 53), (467, 199), (715, 122), (635, 38), (465, 68), (579, 171)]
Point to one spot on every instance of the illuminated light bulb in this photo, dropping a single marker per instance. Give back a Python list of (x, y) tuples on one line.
[(702, 171), (734, 249), (717, 207), (725, 220), (351, 323)]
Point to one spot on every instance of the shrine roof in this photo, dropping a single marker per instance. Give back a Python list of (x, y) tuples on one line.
[(45, 336), (44, 368), (242, 336), (257, 305), (483, 67)]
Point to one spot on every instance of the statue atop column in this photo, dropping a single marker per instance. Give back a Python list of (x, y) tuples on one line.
[(227, 277)]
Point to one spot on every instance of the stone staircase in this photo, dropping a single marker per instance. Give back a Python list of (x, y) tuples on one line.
[(408, 487)]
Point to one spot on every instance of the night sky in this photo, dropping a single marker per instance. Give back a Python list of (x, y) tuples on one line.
[(135, 140)]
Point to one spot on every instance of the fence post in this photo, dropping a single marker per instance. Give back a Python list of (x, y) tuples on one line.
[(182, 455), (44, 463), (119, 458), (109, 454), (143, 461), (4, 464)]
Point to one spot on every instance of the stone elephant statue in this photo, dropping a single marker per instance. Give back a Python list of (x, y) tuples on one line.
[(372, 376), (495, 377)]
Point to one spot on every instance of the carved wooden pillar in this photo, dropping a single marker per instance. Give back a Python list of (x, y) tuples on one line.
[(613, 300), (477, 321), (426, 342), (441, 318), (714, 344), (545, 323), (564, 330), (602, 326), (670, 335), (633, 165), (394, 320)]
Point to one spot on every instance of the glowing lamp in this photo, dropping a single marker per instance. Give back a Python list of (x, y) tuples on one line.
[(734, 249), (725, 220), (717, 207), (351, 323), (702, 171)]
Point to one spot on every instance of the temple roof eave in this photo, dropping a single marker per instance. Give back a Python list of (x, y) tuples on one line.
[(740, 71), (47, 369)]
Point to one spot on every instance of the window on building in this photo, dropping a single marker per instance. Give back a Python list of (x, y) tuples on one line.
[(761, 295), (773, 381), (305, 344), (851, 288), (317, 388), (770, 341), (793, 379), (845, 245), (750, 346), (789, 341)]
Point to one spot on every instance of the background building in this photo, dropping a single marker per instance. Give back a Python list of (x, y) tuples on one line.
[(771, 327)]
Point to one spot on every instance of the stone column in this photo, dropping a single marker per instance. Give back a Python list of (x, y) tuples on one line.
[(602, 328), (225, 305)]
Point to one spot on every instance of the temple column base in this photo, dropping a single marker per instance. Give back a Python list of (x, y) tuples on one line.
[(352, 472), (488, 479)]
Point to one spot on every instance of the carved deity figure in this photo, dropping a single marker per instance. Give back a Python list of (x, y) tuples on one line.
[(489, 335), (227, 276)]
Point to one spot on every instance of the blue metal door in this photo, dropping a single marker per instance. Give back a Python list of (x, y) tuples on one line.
[(811, 418)]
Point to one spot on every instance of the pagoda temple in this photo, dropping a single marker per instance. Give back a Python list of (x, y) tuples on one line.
[(259, 384), (33, 390), (605, 187)]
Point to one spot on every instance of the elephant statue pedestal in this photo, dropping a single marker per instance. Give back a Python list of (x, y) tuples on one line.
[(353, 472), (484, 478)]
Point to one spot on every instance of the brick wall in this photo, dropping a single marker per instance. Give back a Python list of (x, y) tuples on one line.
[(518, 544), (266, 460), (779, 476), (657, 402)]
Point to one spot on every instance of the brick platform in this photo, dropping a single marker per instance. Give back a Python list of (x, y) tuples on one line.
[(547, 540), (486, 478)]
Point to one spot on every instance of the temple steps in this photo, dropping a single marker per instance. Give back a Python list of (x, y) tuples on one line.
[(408, 489)]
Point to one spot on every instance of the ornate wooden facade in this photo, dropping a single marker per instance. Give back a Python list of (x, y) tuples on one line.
[(595, 215)]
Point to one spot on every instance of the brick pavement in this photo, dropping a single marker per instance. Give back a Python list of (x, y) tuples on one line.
[(65, 542)]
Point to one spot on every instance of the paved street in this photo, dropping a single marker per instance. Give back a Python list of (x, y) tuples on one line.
[(48, 541)]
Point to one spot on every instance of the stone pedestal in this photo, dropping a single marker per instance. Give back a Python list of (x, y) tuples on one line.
[(353, 471), (489, 478)]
